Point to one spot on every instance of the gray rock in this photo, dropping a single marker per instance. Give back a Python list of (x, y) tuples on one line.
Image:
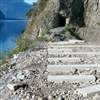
[(16, 86), (11, 86), (92, 21), (60, 34), (20, 76), (96, 97), (23, 74)]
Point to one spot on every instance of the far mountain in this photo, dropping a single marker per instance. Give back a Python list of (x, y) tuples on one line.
[(14, 10)]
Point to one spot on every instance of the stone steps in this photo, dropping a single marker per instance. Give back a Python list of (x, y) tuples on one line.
[(67, 42), (89, 90), (71, 78), (71, 69), (60, 50), (73, 59), (72, 42), (75, 49), (73, 46), (73, 53), (74, 62)]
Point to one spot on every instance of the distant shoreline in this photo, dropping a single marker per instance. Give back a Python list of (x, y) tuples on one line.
[(15, 20)]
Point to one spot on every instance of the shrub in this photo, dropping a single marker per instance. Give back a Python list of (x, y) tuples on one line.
[(23, 44), (3, 61)]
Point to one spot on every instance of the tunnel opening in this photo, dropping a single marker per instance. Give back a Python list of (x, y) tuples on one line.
[(61, 21)]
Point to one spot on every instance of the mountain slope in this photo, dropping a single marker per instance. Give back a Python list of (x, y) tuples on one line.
[(82, 16)]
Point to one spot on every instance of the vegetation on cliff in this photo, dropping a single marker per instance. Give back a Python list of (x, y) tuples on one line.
[(79, 18)]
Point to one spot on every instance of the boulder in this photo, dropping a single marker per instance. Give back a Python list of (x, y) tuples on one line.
[(91, 31), (14, 87)]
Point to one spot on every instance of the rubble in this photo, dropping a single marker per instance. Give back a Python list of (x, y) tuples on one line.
[(28, 78)]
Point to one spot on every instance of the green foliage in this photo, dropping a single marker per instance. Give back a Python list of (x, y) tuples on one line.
[(43, 37), (25, 43), (3, 61), (30, 12), (22, 45), (33, 9)]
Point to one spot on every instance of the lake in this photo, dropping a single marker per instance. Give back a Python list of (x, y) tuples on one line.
[(9, 32), (13, 21)]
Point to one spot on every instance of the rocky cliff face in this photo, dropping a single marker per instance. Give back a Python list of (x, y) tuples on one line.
[(91, 31), (83, 15)]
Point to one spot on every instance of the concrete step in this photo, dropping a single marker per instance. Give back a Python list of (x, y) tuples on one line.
[(70, 68), (73, 53), (72, 41), (89, 91), (71, 78), (76, 49), (73, 60), (60, 50), (57, 59), (73, 46), (96, 55)]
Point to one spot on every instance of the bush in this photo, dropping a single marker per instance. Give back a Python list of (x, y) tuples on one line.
[(3, 61), (43, 37), (23, 44)]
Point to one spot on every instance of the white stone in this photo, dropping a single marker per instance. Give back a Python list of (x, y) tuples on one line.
[(67, 21), (59, 98), (39, 98), (1, 87), (71, 78), (59, 50), (96, 97), (66, 44), (20, 75), (73, 59), (15, 56), (74, 53), (90, 90), (33, 97), (49, 97), (73, 41), (11, 86), (69, 68)]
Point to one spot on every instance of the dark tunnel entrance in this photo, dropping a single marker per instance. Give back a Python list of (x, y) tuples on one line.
[(62, 21)]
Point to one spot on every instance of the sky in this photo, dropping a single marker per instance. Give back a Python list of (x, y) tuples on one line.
[(30, 1)]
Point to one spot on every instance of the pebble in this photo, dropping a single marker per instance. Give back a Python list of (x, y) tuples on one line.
[(11, 86), (39, 98), (59, 98), (20, 76), (96, 97), (16, 86), (1, 87), (49, 97), (33, 97)]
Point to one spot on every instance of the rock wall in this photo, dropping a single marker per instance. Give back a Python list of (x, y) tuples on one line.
[(83, 15), (91, 31), (45, 16)]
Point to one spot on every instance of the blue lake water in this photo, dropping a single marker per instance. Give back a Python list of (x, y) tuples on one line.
[(13, 21), (9, 32)]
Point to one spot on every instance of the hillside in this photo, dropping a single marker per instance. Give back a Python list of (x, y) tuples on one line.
[(81, 16), (58, 55)]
